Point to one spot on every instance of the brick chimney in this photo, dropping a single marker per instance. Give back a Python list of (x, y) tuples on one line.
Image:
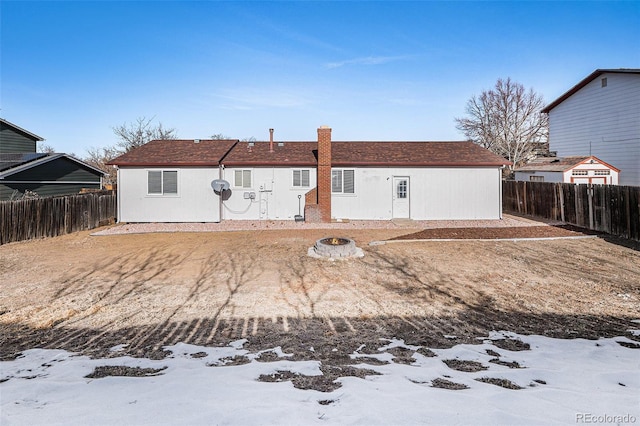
[(324, 173)]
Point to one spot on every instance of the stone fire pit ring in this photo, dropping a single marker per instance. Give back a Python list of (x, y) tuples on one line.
[(335, 248)]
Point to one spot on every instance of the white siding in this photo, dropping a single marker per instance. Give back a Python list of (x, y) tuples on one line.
[(195, 201), (590, 168), (608, 118), (548, 176), (275, 196), (435, 193)]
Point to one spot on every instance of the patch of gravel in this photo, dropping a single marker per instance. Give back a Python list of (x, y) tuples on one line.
[(121, 370), (514, 345), (230, 361), (464, 365), (326, 382), (507, 221), (447, 384), (504, 383), (512, 364)]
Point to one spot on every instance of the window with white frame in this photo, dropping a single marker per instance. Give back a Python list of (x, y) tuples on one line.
[(602, 172), (301, 178), (242, 179), (579, 172), (536, 178), (343, 181), (162, 182)]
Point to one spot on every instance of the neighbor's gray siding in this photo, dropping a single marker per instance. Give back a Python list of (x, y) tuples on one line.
[(42, 189), (608, 118), (12, 141), (57, 177)]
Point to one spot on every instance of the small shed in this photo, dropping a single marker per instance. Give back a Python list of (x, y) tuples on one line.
[(573, 169)]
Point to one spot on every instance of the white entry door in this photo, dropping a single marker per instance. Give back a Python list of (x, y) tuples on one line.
[(401, 197)]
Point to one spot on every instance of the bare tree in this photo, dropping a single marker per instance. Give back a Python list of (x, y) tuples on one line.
[(133, 135), (45, 148), (99, 157), (506, 120), (219, 137), (130, 135)]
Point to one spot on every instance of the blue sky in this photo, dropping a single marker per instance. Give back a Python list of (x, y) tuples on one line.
[(392, 70)]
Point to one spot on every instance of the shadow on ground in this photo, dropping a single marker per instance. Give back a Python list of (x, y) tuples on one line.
[(332, 339)]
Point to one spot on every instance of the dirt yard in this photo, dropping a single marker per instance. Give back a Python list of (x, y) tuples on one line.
[(89, 293)]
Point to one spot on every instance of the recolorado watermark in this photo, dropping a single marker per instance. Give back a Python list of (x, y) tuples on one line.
[(605, 418)]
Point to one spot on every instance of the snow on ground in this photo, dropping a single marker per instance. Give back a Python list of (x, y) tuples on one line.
[(562, 382)]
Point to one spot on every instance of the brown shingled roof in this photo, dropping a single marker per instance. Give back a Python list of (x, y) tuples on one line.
[(558, 164), (304, 154), (257, 154), (407, 154), (345, 154), (172, 152)]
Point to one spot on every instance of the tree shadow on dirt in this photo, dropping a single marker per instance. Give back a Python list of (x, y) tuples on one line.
[(298, 284), (420, 282), (117, 284), (327, 339)]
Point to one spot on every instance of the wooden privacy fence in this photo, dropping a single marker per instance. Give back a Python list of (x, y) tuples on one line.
[(53, 216), (606, 208)]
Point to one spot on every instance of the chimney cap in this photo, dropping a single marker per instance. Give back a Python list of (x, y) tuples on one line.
[(325, 127)]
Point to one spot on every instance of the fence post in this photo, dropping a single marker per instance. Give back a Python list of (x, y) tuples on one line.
[(590, 202), (561, 195)]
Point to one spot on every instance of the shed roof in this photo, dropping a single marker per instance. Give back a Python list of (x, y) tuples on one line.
[(176, 152), (559, 164), (586, 81)]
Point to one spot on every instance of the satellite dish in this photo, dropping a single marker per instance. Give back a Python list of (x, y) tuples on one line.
[(220, 185)]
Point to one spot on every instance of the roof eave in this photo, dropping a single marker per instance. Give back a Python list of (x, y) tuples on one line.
[(584, 82), (21, 130), (269, 164), (172, 164), (39, 161), (418, 164)]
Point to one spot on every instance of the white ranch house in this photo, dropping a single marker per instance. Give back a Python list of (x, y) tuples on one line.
[(600, 116), (170, 181), (575, 169)]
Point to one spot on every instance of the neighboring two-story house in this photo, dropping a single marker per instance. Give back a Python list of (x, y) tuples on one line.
[(600, 117), (23, 169)]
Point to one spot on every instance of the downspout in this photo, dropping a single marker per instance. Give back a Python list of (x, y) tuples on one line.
[(118, 194)]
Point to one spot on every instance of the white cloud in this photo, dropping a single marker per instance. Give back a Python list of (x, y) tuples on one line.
[(250, 98), (368, 60)]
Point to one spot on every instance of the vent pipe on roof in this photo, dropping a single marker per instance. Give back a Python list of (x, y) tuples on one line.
[(196, 141), (270, 140)]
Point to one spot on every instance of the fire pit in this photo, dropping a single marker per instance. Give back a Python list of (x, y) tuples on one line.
[(335, 248)]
